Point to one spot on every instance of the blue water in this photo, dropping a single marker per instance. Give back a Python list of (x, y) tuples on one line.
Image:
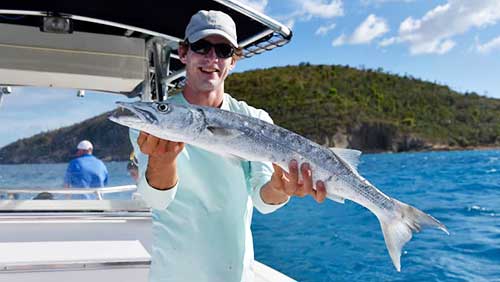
[(52, 175), (334, 242)]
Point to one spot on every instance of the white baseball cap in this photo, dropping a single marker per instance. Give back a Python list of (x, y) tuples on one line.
[(205, 23), (85, 145)]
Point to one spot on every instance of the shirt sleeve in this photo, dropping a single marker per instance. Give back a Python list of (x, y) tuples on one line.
[(156, 199), (259, 173)]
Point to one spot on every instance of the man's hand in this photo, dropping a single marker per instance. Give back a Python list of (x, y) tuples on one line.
[(161, 172), (283, 184)]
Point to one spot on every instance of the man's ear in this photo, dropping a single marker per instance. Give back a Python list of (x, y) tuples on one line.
[(182, 54), (233, 64)]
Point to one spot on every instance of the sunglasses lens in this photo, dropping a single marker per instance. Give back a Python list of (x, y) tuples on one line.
[(202, 47), (224, 50)]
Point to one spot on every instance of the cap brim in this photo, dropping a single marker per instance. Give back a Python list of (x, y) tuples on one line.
[(204, 33)]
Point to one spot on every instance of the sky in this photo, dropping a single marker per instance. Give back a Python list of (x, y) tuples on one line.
[(450, 42)]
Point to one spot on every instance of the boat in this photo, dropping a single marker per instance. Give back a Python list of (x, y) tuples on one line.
[(128, 48)]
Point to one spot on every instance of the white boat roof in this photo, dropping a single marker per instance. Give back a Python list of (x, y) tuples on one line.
[(150, 18), (155, 16)]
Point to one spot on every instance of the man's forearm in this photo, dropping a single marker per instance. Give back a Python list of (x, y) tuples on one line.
[(161, 174)]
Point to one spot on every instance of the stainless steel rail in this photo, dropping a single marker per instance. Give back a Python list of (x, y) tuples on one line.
[(9, 193)]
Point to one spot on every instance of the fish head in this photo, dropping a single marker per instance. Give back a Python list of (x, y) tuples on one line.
[(162, 119)]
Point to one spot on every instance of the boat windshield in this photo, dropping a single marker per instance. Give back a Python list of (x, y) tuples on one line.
[(39, 155)]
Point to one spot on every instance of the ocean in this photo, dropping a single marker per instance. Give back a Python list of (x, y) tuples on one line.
[(335, 242)]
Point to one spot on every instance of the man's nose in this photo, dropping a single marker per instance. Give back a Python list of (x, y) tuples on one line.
[(211, 54)]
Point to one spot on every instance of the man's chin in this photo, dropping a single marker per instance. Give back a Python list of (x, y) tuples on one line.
[(210, 85)]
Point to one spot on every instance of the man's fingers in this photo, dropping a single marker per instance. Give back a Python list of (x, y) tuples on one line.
[(291, 184), (307, 187), (179, 147), (320, 193), (162, 146), (142, 137), (279, 178), (277, 170), (278, 175), (147, 143), (150, 144), (174, 147), (293, 169), (292, 178)]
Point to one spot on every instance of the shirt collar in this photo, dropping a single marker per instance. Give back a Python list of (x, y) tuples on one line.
[(224, 106)]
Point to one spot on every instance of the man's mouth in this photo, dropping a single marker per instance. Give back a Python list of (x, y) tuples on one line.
[(209, 70)]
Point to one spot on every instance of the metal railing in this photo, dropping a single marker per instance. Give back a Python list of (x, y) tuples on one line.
[(15, 193)]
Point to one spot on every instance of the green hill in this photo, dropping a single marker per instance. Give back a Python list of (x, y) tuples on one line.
[(375, 110), (333, 105), (110, 143)]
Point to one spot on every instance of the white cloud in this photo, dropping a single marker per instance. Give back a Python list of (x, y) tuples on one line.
[(341, 40), (323, 30), (388, 41), (307, 10), (312, 9), (259, 5), (322, 9), (379, 2), (488, 46), (436, 47), (371, 28), (434, 32)]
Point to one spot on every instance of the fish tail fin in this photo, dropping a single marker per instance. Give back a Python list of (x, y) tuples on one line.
[(398, 232)]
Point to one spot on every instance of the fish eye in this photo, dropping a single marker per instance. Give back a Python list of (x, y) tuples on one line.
[(162, 107)]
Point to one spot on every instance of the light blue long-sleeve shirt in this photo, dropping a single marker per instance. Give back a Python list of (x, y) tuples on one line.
[(201, 227)]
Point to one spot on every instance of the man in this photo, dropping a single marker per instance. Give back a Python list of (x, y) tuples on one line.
[(203, 202), (85, 171)]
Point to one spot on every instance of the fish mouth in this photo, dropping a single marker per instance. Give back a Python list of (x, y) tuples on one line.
[(130, 114)]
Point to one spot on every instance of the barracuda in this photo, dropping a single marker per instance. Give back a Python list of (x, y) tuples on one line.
[(236, 135)]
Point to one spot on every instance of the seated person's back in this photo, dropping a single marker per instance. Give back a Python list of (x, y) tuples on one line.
[(85, 171)]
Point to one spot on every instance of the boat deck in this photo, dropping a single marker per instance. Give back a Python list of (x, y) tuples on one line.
[(100, 240)]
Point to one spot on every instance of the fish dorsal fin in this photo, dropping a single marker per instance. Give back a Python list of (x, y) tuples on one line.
[(226, 132), (348, 155)]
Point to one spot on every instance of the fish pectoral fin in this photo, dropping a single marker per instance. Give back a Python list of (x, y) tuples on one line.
[(335, 198), (226, 132), (348, 155)]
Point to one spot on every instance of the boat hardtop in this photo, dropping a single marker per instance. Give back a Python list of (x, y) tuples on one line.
[(128, 48)]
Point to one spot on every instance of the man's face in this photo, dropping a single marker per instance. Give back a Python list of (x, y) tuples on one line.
[(207, 72)]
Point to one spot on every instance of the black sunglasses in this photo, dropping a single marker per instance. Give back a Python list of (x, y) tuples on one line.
[(202, 47)]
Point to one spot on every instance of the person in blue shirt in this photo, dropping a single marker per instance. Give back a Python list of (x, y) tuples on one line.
[(203, 202), (85, 171)]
